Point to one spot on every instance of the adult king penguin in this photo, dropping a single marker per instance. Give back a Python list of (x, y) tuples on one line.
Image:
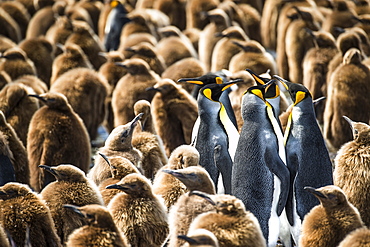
[(216, 136), (308, 159), (260, 177)]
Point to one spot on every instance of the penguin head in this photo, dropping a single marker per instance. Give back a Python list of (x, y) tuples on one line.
[(13, 190), (143, 106), (165, 86), (14, 53), (272, 91), (184, 156), (249, 46), (200, 237), (135, 66), (209, 78), (213, 91), (260, 89), (53, 100), (134, 184), (322, 39), (233, 32), (297, 91), (143, 49), (95, 215), (169, 31), (66, 172), (119, 166), (352, 56), (330, 196), (360, 131)]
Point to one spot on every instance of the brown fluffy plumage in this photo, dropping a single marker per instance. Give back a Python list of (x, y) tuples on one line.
[(16, 63), (86, 91), (357, 238), (3, 238), (175, 112), (72, 57), (33, 82), (193, 8), (7, 173), (59, 31), (19, 13), (138, 212), (18, 108), (11, 28), (71, 187), (328, 223), (40, 22), (166, 185), (21, 209), (57, 135), (352, 163), (199, 238), (229, 222), (99, 231), (20, 161), (188, 207), (118, 143), (131, 88), (348, 88)]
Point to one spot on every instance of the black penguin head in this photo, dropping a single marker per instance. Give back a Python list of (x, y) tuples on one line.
[(260, 89), (66, 172), (210, 78), (330, 196), (213, 91), (272, 91), (360, 131), (297, 91)]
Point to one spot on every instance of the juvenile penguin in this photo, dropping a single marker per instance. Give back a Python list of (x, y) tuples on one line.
[(118, 143), (86, 92), (138, 213), (119, 168), (187, 207), (231, 224), (351, 162), (21, 208), (174, 113), (19, 13), (328, 223), (56, 120), (18, 108), (72, 57), (307, 157), (357, 238), (131, 88), (351, 76), (166, 185), (18, 150), (59, 32), (260, 177), (215, 137), (193, 8), (199, 238), (15, 63), (71, 187), (40, 22), (100, 229), (7, 173)]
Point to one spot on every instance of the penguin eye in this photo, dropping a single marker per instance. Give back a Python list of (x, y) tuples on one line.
[(89, 216), (124, 134)]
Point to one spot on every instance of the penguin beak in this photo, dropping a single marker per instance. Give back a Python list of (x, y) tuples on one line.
[(74, 209), (318, 101), (220, 35), (2, 193), (188, 239), (61, 46), (348, 120), (237, 44), (230, 83), (152, 89), (203, 195), (315, 192), (130, 49), (114, 186), (103, 54), (121, 65), (174, 173), (105, 158), (191, 80), (351, 123), (49, 169), (136, 119), (285, 83), (258, 79), (38, 97)]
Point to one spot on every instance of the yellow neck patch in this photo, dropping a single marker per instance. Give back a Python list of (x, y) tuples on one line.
[(208, 93), (218, 80), (300, 95)]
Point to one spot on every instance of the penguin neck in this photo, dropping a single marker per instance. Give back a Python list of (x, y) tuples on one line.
[(278, 131), (252, 105), (231, 131)]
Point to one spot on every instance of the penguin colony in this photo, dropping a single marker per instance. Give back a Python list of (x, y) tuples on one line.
[(184, 123)]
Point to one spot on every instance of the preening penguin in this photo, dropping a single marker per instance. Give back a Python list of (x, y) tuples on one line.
[(260, 177), (174, 113), (138, 213), (99, 231), (232, 225), (216, 136), (351, 163), (308, 159), (57, 135), (71, 187), (187, 207), (118, 143), (116, 20), (21, 209), (328, 223), (200, 238)]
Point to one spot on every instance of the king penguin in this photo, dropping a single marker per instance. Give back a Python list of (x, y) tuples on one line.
[(260, 177), (216, 136), (308, 159)]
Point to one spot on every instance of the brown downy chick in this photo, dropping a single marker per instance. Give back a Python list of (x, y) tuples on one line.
[(118, 143), (59, 32), (187, 207), (56, 136), (174, 112), (199, 238), (21, 209), (138, 213), (15, 63), (169, 187), (99, 231), (71, 187), (357, 238), (120, 167), (328, 223), (351, 163), (230, 222)]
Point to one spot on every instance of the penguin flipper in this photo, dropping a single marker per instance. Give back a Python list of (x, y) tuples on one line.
[(224, 164), (7, 173)]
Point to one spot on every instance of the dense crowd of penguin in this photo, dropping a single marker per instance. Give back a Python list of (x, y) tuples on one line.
[(212, 123)]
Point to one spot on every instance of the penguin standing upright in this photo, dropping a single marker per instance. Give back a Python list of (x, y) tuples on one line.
[(307, 156), (216, 136), (260, 177)]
